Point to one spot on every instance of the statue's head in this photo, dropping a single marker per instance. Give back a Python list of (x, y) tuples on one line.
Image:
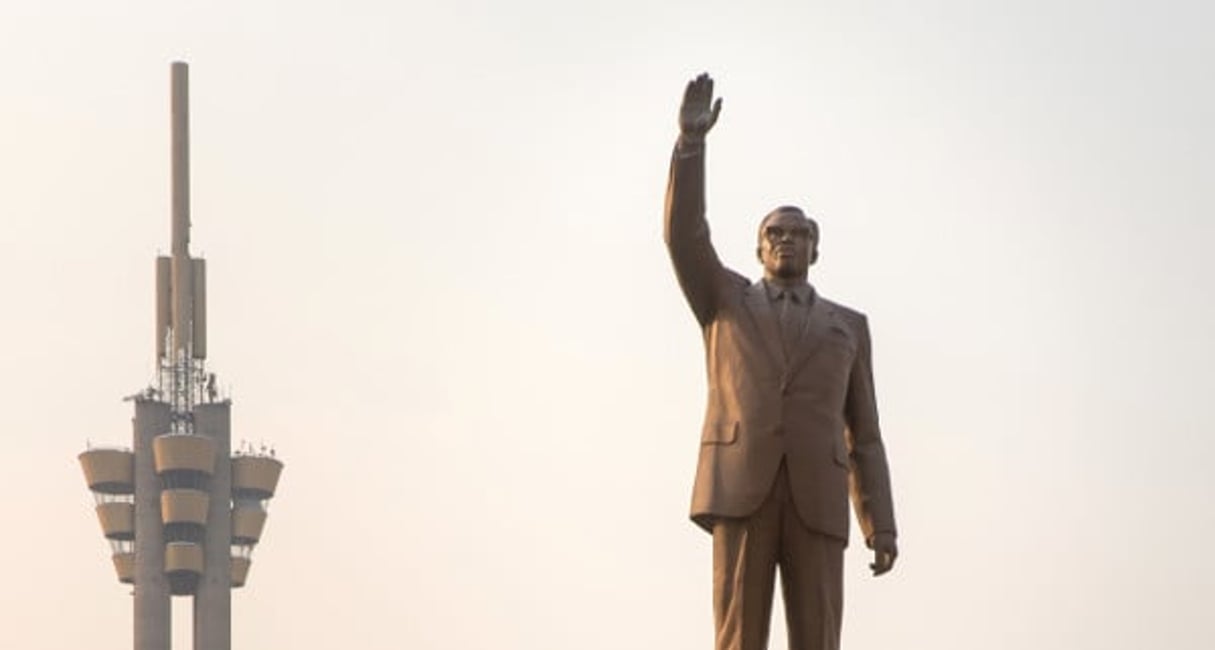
[(788, 243)]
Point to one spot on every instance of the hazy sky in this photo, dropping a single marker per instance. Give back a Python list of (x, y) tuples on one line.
[(438, 287)]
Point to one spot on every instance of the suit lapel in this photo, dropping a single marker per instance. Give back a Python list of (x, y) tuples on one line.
[(815, 330), (756, 299)]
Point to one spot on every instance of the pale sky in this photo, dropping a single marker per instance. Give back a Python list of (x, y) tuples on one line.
[(438, 286)]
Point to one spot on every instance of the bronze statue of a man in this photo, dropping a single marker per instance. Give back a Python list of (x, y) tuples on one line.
[(791, 425)]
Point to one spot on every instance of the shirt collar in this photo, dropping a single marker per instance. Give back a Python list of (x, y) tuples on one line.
[(803, 291)]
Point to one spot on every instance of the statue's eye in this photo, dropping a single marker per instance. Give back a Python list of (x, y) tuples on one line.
[(774, 233)]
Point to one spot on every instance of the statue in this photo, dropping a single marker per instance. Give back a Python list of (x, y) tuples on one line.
[(791, 426)]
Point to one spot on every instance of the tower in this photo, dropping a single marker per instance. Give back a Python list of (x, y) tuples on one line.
[(182, 511)]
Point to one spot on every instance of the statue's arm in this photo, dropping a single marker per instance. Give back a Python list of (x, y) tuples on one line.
[(870, 479), (686, 231)]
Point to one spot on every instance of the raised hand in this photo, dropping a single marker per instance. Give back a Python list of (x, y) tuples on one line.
[(698, 113)]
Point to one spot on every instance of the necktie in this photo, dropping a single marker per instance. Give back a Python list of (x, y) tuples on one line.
[(789, 320)]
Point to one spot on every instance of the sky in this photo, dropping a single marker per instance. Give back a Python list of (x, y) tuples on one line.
[(437, 286)]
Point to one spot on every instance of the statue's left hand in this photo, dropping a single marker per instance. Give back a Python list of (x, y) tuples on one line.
[(885, 550)]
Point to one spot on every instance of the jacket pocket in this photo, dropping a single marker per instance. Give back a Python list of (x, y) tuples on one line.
[(841, 455), (719, 433)]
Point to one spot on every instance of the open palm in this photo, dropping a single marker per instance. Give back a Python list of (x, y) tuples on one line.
[(699, 112)]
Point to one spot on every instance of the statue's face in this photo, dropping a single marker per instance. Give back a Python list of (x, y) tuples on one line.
[(788, 244)]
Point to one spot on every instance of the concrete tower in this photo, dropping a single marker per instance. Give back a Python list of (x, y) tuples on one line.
[(182, 512)]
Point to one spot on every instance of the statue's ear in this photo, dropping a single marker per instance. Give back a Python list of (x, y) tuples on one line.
[(813, 255), (759, 254)]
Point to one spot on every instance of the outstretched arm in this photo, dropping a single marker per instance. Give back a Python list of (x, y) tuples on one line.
[(686, 232)]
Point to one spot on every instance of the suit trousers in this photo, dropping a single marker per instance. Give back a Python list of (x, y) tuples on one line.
[(746, 553)]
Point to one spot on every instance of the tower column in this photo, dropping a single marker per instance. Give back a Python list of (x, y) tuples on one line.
[(213, 599), (152, 611)]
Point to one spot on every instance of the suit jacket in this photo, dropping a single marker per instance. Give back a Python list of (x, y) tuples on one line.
[(814, 408)]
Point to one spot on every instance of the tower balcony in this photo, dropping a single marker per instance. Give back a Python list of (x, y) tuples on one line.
[(184, 506), (183, 566), (248, 521), (117, 519), (175, 452), (109, 471), (240, 570), (124, 565), (255, 477)]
